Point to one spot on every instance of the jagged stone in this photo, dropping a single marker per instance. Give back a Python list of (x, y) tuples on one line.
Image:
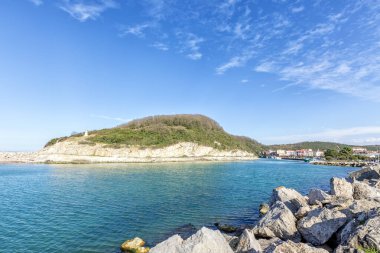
[(367, 173), (320, 224), (232, 240), (171, 245), (290, 197), (267, 243), (341, 188), (365, 191), (302, 212), (205, 240), (363, 232), (338, 202), (362, 205), (248, 243), (292, 247), (316, 196), (278, 222)]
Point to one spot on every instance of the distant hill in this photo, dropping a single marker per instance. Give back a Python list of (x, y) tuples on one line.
[(165, 130), (319, 145)]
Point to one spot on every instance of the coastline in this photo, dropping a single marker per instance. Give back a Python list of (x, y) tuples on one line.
[(344, 219), (73, 153)]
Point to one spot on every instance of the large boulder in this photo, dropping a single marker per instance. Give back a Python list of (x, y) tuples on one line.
[(320, 224), (290, 197), (232, 240), (205, 240), (266, 244), (341, 188), (316, 196), (292, 247), (367, 173), (248, 243), (278, 222), (364, 191), (363, 232), (361, 205), (171, 245)]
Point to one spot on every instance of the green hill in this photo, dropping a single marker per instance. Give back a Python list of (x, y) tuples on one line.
[(166, 130), (318, 145)]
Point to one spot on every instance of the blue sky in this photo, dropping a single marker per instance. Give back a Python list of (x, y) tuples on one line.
[(278, 71)]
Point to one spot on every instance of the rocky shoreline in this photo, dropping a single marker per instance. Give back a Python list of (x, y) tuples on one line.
[(345, 219), (343, 163)]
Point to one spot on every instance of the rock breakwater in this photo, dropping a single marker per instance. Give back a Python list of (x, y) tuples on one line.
[(345, 219)]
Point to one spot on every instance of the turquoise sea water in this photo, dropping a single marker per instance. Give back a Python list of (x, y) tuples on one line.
[(94, 208)]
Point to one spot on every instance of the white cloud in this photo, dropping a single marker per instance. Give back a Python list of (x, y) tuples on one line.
[(190, 45), (347, 135), (244, 81), (85, 11), (297, 9), (37, 2), (118, 119), (234, 62), (265, 67), (137, 30), (160, 46)]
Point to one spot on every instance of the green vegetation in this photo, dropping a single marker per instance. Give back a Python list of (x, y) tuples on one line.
[(162, 131), (343, 154), (368, 250), (315, 145)]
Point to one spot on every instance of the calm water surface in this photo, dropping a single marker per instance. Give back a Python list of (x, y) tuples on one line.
[(94, 208)]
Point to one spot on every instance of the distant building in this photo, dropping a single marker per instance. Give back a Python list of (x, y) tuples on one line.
[(291, 153), (281, 152), (359, 150), (305, 153), (319, 153)]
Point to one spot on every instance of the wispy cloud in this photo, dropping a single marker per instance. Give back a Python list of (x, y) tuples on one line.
[(136, 30), (37, 2), (362, 135), (118, 119), (234, 62), (244, 81), (160, 46), (190, 45), (84, 11), (297, 9)]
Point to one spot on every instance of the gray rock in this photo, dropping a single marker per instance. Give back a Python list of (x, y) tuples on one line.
[(248, 243), (367, 173), (205, 240), (341, 188), (320, 224), (232, 240), (362, 205), (292, 247), (338, 202), (171, 245), (346, 249), (302, 212), (364, 191), (267, 243), (278, 222), (317, 195), (290, 197), (363, 232)]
